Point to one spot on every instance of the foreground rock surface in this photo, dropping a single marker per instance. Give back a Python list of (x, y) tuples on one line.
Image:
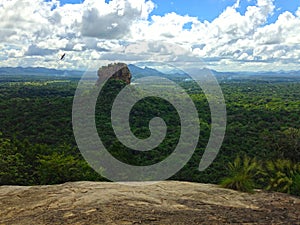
[(168, 202)]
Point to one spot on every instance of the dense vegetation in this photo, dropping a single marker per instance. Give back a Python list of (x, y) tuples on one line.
[(37, 145)]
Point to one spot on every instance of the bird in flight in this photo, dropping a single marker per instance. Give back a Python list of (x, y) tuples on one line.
[(63, 56)]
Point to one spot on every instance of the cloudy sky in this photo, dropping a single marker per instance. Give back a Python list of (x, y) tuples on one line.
[(227, 35)]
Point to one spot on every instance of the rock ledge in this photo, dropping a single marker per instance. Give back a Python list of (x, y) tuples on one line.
[(168, 202)]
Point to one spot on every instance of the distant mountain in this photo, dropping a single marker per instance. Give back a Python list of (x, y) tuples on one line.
[(142, 69), (161, 67), (38, 71), (139, 70), (278, 76)]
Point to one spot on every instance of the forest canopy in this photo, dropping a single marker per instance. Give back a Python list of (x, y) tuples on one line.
[(37, 145)]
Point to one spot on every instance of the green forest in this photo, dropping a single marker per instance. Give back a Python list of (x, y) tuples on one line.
[(261, 148)]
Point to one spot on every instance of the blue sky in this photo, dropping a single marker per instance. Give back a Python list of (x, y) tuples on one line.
[(207, 9), (227, 35)]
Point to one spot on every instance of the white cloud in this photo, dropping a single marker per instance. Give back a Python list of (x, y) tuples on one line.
[(112, 20), (37, 32), (35, 50), (13, 53)]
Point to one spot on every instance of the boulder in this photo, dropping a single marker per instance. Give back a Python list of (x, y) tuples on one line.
[(117, 71)]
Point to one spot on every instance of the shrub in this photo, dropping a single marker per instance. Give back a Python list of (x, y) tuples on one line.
[(242, 173), (295, 188), (283, 176)]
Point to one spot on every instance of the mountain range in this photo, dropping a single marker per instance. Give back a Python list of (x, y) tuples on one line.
[(141, 70)]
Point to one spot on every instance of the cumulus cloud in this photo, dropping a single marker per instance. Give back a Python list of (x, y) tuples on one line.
[(113, 20), (35, 32), (35, 50)]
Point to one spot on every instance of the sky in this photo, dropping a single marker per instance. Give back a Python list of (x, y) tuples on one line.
[(224, 35)]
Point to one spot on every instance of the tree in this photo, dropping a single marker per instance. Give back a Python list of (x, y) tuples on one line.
[(13, 168), (241, 174), (283, 175)]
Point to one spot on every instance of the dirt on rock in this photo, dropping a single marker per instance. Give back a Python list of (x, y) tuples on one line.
[(168, 202)]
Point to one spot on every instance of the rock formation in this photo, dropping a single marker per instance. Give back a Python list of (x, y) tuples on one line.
[(118, 71), (168, 202)]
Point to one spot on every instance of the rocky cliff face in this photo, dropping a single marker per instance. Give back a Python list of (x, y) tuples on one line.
[(167, 202), (118, 71)]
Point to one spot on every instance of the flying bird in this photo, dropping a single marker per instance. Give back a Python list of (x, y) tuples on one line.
[(63, 56)]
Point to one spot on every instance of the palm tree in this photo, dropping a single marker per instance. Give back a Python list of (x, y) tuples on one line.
[(242, 173), (283, 176)]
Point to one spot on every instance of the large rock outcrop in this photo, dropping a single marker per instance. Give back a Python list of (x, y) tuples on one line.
[(118, 71), (167, 202)]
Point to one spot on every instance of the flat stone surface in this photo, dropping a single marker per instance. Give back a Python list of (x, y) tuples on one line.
[(168, 202)]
